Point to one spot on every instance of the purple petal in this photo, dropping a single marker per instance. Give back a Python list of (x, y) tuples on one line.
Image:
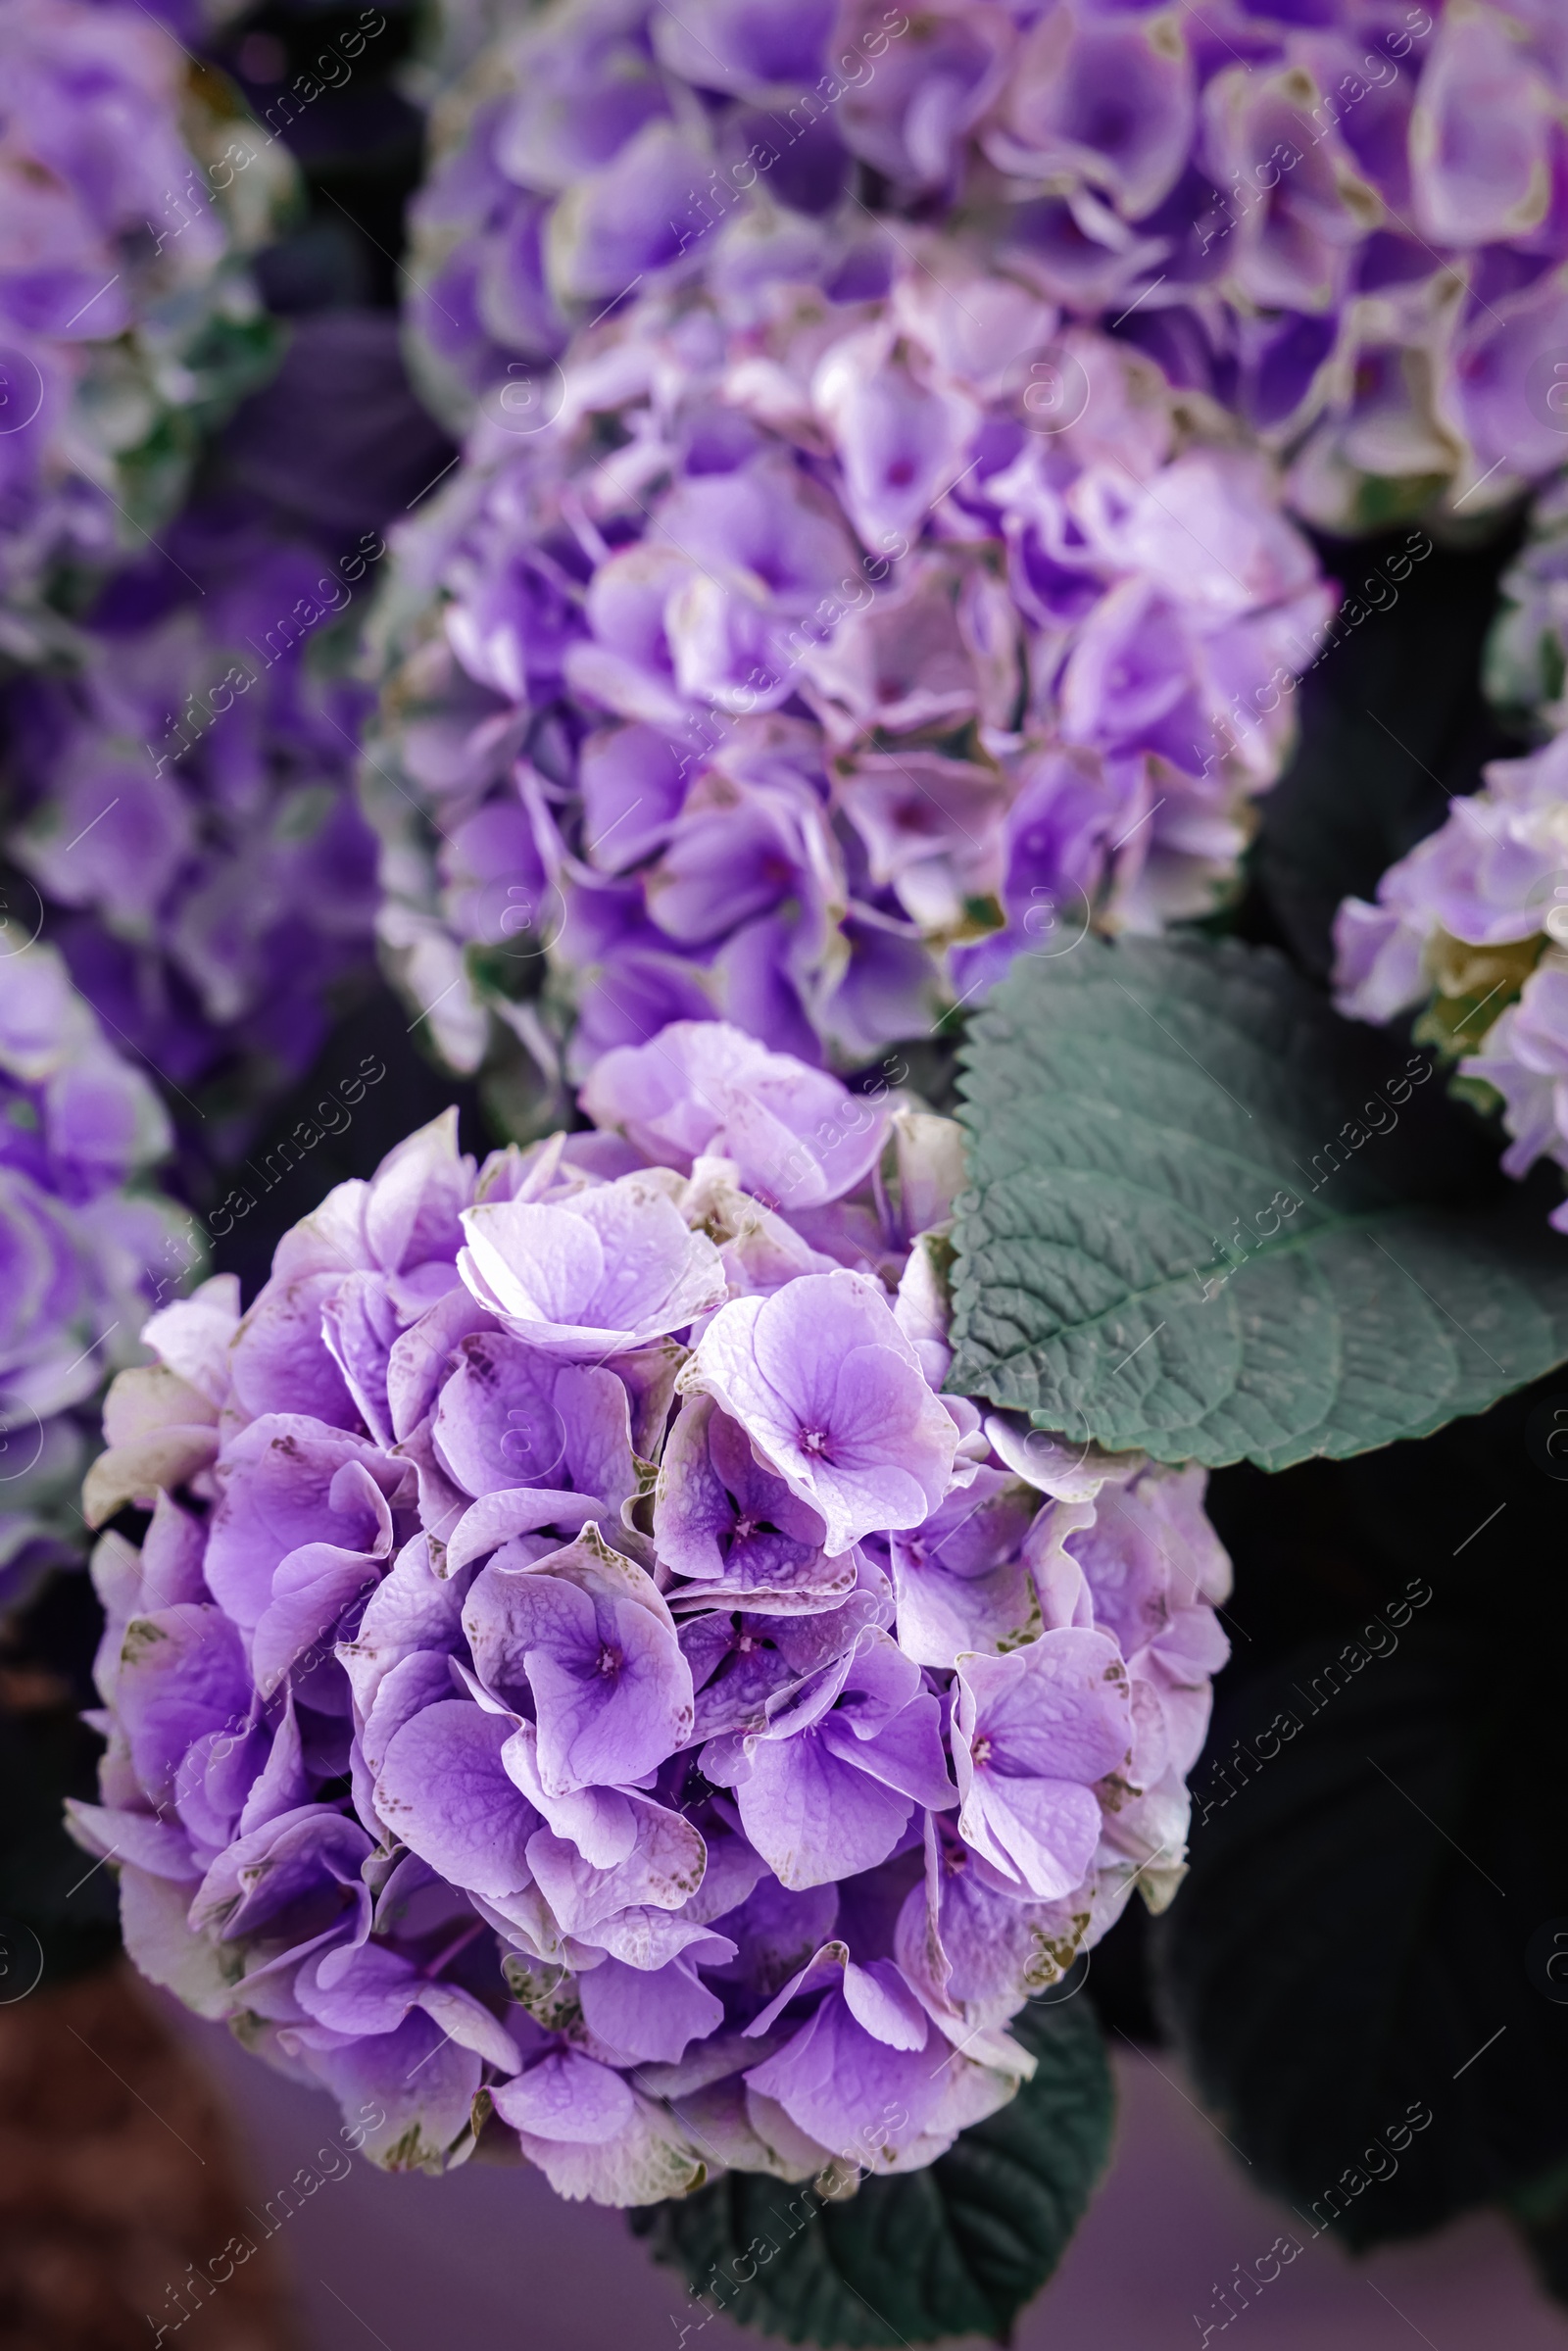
[(445, 1790)]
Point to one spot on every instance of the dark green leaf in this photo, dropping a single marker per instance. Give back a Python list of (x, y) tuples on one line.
[(957, 2249), (1199, 1224), (1352, 1948)]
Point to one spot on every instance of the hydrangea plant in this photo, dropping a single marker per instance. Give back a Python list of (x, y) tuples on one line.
[(662, 1651), (801, 669), (585, 1681)]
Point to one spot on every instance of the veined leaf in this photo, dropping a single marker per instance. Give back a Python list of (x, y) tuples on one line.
[(1211, 1219)]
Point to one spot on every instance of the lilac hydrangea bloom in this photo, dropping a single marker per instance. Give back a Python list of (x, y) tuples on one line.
[(616, 1700), (1474, 924), (1527, 654), (790, 676), (182, 798), (128, 322), (84, 1242), (1344, 221), (709, 1092)]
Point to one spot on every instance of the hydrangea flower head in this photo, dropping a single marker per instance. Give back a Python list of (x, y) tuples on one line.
[(586, 1685), (798, 672), (1345, 222)]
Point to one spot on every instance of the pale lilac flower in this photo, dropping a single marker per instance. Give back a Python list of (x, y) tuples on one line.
[(596, 1644), (832, 1396), (1342, 224), (1472, 922), (1528, 648), (87, 1246), (601, 1273), (1525, 1057), (826, 1785), (848, 675), (126, 318), (728, 1522), (703, 1089), (868, 2050), (582, 1681), (1034, 1732)]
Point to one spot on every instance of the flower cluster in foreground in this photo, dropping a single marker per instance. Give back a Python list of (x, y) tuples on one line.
[(129, 187), (584, 1680), (805, 666), (1344, 220), (183, 799), (80, 1254), (1473, 923)]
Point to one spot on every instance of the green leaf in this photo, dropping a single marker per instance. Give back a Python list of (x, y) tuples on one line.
[(1349, 1964), (956, 2249), (1203, 1220)]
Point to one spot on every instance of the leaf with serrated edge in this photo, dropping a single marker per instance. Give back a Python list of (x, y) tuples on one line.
[(1134, 1111), (956, 2249)]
